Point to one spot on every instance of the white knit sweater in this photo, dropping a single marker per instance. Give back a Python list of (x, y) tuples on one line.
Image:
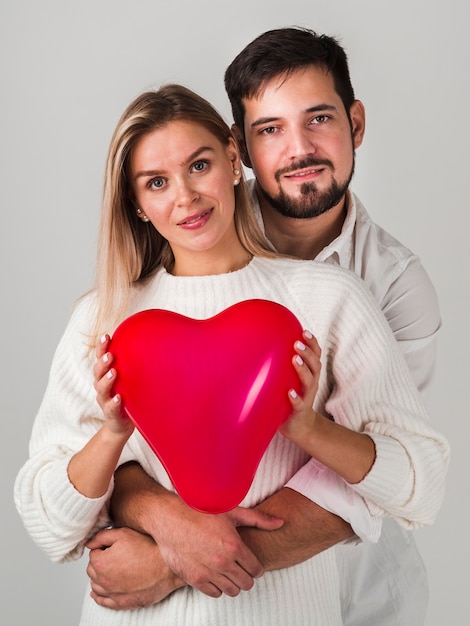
[(365, 385)]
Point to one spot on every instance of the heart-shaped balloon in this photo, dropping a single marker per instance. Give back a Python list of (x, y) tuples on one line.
[(208, 395)]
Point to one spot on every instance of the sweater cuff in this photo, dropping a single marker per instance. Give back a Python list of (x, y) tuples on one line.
[(382, 486), (324, 487), (67, 505)]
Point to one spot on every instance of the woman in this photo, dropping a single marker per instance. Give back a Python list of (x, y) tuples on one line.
[(177, 233)]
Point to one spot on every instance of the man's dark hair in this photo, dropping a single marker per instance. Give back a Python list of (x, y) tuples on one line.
[(280, 52)]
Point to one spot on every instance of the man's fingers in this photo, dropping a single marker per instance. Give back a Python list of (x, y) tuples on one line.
[(258, 519), (98, 543), (249, 568)]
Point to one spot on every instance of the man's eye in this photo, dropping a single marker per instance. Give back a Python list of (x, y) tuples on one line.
[(320, 119), (269, 130)]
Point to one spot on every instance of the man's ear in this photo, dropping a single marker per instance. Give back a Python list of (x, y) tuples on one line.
[(357, 114), (240, 139)]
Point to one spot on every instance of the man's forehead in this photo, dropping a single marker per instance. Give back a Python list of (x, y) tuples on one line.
[(303, 91), (312, 79)]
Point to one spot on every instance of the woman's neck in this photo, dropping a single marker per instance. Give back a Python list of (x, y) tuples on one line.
[(205, 264)]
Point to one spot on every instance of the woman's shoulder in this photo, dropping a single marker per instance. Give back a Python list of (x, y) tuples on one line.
[(307, 270), (85, 307), (325, 288)]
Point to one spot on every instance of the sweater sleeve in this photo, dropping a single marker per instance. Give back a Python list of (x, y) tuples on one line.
[(369, 389), (58, 517)]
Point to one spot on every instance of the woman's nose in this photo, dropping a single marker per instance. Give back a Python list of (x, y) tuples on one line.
[(186, 193)]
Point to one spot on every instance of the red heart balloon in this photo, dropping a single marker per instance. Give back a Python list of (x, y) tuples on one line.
[(208, 395)]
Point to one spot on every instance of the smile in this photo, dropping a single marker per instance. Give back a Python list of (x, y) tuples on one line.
[(305, 173), (196, 221)]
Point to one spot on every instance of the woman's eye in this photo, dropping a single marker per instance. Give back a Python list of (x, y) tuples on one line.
[(200, 166), (156, 183)]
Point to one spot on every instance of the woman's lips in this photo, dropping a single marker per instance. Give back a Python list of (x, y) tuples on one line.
[(196, 221)]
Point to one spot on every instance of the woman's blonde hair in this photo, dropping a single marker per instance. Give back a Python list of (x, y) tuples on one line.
[(129, 250)]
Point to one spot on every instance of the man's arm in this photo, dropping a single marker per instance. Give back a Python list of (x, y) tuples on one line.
[(307, 530), (131, 572), (202, 549)]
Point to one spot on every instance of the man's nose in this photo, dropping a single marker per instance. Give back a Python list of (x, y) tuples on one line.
[(300, 143)]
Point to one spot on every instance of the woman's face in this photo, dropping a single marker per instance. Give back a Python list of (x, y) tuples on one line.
[(183, 180)]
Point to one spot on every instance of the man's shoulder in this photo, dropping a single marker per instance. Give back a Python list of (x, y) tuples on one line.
[(379, 257), (387, 266), (376, 240)]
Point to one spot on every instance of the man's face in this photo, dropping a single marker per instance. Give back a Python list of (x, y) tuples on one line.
[(300, 143)]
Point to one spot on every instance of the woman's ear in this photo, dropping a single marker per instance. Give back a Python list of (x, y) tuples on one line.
[(357, 115), (237, 133), (234, 156)]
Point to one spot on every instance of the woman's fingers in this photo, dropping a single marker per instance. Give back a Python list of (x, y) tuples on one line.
[(307, 364)]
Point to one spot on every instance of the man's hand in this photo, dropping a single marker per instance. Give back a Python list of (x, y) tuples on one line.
[(214, 553), (206, 550), (127, 571)]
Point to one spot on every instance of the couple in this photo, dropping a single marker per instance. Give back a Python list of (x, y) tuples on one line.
[(178, 232)]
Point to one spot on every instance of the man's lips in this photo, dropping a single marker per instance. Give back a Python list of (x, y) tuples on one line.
[(304, 173), (304, 168), (199, 219)]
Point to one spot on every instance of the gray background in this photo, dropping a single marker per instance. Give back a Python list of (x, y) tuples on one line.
[(68, 69)]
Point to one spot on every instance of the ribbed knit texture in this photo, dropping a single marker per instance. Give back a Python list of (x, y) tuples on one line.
[(365, 385)]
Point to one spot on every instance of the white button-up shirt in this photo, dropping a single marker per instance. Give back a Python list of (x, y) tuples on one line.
[(383, 583)]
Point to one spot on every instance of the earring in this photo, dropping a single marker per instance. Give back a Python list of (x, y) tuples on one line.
[(236, 172), (236, 182), (142, 215)]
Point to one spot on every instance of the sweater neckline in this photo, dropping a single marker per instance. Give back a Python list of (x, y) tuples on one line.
[(167, 276)]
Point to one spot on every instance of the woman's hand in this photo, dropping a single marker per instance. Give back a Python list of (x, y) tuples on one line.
[(91, 469), (349, 453), (110, 403), (307, 364)]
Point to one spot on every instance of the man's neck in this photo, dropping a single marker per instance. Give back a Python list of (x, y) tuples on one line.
[(302, 238)]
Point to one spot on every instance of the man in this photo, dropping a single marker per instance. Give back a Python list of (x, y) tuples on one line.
[(298, 125)]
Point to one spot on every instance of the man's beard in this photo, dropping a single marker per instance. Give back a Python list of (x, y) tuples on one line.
[(311, 202)]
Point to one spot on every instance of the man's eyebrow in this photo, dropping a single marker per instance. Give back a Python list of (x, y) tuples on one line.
[(314, 109), (321, 107), (191, 157)]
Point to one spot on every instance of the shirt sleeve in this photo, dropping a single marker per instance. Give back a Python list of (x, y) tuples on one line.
[(324, 487), (411, 308)]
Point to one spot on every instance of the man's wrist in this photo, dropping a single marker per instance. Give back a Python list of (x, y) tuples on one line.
[(133, 488), (307, 530)]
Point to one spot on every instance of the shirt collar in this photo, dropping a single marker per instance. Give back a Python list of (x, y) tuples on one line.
[(340, 249)]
